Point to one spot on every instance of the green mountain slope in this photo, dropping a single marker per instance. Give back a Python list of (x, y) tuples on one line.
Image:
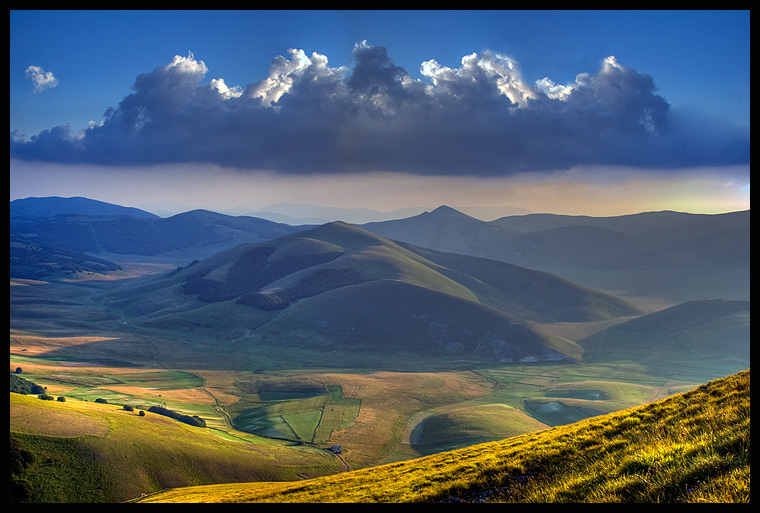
[(711, 334), (340, 287), (691, 447)]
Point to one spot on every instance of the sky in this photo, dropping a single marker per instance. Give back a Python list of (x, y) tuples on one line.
[(571, 112)]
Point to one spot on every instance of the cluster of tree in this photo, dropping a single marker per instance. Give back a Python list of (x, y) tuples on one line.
[(193, 420), (46, 397), (128, 407), (21, 385)]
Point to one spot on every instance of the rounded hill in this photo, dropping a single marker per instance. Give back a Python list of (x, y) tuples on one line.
[(348, 288)]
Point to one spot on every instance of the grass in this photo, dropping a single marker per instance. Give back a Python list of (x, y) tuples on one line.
[(691, 447), (93, 452), (67, 339), (310, 419)]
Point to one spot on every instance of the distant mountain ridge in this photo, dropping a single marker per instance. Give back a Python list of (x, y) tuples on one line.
[(661, 256), (55, 206), (666, 254), (53, 234)]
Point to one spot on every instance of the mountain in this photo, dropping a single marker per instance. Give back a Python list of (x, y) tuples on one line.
[(447, 229), (689, 448), (50, 235), (54, 206), (338, 287), (671, 256), (318, 214), (715, 331), (195, 233), (680, 238)]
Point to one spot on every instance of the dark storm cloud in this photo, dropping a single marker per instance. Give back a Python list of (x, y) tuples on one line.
[(306, 116)]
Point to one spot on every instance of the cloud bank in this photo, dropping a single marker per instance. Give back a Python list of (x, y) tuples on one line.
[(308, 117)]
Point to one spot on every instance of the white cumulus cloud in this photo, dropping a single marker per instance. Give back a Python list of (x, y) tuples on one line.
[(41, 80)]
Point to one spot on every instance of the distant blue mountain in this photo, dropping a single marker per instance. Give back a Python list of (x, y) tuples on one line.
[(53, 235), (35, 208)]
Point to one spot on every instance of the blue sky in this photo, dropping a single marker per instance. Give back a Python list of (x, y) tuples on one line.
[(673, 74)]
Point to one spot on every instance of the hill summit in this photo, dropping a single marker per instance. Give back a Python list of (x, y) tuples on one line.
[(339, 287)]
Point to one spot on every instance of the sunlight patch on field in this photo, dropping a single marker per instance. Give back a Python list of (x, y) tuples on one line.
[(61, 419), (26, 344)]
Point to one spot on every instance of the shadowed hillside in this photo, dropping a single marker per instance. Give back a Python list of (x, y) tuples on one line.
[(670, 256), (708, 331), (339, 287), (50, 235)]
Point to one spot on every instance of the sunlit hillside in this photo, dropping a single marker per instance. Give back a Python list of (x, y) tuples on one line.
[(691, 447)]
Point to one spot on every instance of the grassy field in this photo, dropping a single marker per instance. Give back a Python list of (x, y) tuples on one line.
[(692, 447), (92, 452), (310, 419), (377, 416), (390, 409)]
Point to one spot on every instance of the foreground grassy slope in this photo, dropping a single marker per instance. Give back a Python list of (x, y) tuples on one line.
[(89, 452), (691, 447)]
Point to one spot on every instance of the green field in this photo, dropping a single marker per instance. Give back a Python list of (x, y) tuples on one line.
[(82, 344), (310, 419), (689, 448)]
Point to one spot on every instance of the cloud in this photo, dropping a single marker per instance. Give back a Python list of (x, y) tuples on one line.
[(41, 79), (306, 116)]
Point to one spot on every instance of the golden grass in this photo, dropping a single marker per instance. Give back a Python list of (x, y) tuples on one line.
[(692, 447), (91, 452), (69, 419)]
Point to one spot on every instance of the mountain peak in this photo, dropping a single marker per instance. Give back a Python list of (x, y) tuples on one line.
[(445, 210)]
